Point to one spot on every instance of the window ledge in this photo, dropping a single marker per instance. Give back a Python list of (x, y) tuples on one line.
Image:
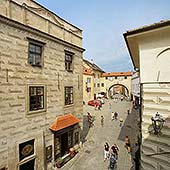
[(70, 71), (36, 65), (70, 105), (36, 111)]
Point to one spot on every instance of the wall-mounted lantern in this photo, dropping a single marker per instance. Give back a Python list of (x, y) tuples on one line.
[(157, 123)]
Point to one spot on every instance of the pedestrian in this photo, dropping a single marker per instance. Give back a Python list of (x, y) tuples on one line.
[(115, 115), (106, 151), (99, 106), (102, 120), (115, 150), (89, 119), (112, 116), (127, 144), (128, 111), (113, 161), (120, 122)]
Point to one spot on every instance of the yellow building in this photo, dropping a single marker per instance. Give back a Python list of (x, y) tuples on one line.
[(96, 81), (116, 83), (149, 48), (91, 80)]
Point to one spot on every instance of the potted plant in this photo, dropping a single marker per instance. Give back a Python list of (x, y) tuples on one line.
[(59, 162)]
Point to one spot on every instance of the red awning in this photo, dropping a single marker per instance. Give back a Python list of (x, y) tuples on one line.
[(62, 122)]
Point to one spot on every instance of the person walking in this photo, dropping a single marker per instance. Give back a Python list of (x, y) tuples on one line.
[(120, 122), (128, 111), (102, 120), (112, 116), (127, 144), (115, 115), (115, 150), (89, 119), (106, 151), (112, 162)]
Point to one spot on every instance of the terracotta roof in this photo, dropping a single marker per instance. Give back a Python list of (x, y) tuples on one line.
[(87, 71), (129, 73), (64, 121)]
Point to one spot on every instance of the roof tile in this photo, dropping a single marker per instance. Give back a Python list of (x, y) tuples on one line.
[(64, 121)]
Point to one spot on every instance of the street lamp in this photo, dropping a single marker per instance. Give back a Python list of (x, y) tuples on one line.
[(157, 123)]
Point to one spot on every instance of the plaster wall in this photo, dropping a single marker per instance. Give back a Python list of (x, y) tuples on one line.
[(154, 58)]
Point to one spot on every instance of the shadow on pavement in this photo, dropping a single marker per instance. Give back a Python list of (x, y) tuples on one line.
[(127, 126), (131, 129), (86, 128)]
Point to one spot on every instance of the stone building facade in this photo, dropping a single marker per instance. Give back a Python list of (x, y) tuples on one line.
[(116, 83), (149, 47), (40, 74)]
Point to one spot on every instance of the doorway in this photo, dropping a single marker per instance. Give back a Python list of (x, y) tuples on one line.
[(28, 165), (64, 144)]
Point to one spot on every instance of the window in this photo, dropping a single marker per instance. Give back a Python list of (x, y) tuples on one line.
[(98, 75), (98, 84), (88, 80), (27, 152), (68, 61), (36, 98), (26, 149), (115, 77), (94, 84), (35, 54), (88, 89), (68, 95), (125, 77), (106, 78), (102, 84)]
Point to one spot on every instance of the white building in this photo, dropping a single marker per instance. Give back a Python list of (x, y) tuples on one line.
[(149, 48)]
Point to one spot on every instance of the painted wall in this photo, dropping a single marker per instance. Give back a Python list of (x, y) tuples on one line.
[(154, 52), (110, 81)]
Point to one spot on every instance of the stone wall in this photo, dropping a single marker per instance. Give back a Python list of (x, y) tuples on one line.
[(16, 123), (34, 15)]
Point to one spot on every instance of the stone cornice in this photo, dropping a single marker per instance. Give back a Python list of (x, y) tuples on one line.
[(35, 31)]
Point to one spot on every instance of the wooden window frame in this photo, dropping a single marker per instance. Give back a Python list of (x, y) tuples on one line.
[(37, 97), (69, 61), (69, 94), (34, 52)]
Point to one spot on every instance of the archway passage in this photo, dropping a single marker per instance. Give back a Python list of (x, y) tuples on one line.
[(118, 90)]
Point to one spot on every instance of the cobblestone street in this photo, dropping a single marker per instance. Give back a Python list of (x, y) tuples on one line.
[(90, 156)]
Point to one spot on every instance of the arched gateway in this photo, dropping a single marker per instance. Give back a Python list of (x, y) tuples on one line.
[(116, 83), (118, 89)]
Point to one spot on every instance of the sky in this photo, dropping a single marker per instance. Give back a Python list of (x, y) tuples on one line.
[(103, 23)]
